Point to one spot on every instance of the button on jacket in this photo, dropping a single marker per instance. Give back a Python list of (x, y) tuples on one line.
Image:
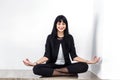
[(52, 48)]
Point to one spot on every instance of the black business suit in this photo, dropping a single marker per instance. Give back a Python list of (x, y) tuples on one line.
[(51, 52)]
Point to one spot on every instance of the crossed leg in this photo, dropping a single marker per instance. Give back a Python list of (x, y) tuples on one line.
[(48, 70), (61, 71)]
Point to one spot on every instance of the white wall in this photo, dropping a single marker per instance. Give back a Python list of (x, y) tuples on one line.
[(111, 47), (25, 24), (108, 40)]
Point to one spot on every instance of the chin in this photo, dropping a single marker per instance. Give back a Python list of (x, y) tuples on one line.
[(61, 30)]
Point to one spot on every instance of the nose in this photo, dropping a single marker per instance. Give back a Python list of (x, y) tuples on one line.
[(61, 25)]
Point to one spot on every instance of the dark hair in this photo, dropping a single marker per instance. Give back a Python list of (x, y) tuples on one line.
[(60, 18)]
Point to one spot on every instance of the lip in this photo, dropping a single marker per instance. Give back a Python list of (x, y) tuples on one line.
[(61, 28)]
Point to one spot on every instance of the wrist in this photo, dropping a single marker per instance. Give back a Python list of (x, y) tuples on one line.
[(87, 61), (35, 63)]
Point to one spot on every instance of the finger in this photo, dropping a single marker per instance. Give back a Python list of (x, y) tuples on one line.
[(27, 59), (95, 57), (25, 63), (98, 59)]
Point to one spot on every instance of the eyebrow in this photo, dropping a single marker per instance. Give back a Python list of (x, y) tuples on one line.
[(60, 22)]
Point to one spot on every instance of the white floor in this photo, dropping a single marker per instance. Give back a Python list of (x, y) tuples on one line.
[(28, 75)]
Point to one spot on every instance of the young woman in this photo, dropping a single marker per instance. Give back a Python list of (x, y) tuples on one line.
[(59, 45)]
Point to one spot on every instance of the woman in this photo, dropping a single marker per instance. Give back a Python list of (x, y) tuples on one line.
[(59, 45)]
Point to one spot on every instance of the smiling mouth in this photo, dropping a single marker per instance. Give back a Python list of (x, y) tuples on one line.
[(61, 28)]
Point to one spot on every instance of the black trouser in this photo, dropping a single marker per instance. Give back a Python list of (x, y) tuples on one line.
[(47, 69)]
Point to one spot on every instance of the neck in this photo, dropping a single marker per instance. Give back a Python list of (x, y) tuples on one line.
[(60, 34)]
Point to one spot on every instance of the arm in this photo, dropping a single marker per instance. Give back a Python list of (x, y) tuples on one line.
[(27, 62), (42, 60), (93, 61), (78, 59), (72, 48)]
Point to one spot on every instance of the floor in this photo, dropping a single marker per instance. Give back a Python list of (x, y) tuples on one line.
[(28, 75)]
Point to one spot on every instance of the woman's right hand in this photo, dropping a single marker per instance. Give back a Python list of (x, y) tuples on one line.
[(27, 62)]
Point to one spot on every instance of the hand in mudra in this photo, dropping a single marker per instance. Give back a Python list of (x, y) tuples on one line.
[(94, 60), (27, 62)]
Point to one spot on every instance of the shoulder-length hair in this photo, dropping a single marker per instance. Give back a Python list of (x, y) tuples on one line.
[(60, 18)]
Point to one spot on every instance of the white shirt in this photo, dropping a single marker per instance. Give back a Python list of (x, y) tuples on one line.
[(60, 59)]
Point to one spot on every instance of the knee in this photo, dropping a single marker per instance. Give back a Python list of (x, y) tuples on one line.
[(41, 70), (84, 67), (35, 70)]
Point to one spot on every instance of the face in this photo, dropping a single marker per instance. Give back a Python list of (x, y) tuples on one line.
[(61, 26)]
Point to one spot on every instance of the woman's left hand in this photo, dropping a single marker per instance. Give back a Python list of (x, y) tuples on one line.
[(94, 60)]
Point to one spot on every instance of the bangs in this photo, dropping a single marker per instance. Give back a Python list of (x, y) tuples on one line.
[(61, 19)]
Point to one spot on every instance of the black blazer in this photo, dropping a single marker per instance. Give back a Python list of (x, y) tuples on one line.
[(52, 48)]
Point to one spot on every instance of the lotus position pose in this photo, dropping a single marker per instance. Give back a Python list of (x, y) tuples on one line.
[(58, 50)]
